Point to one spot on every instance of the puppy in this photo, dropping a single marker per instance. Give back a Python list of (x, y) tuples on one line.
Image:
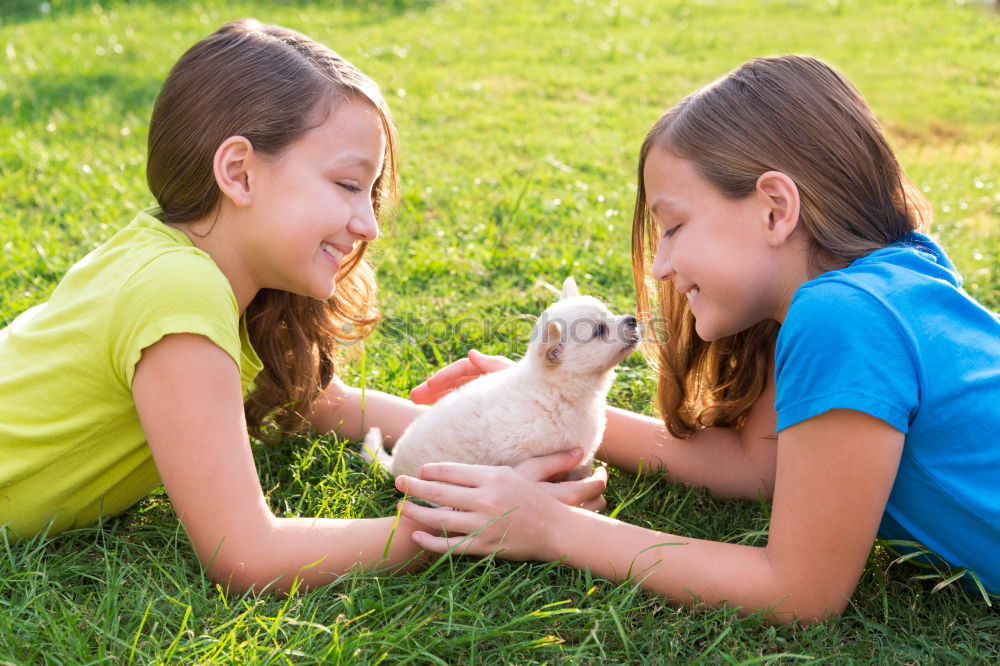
[(552, 400)]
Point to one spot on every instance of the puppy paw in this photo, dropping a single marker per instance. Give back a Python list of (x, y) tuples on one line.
[(372, 451)]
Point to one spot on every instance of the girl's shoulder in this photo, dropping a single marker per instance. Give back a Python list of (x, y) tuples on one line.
[(146, 243), (148, 280), (896, 321), (131, 249), (915, 262), (167, 286), (852, 336), (912, 281), (144, 260)]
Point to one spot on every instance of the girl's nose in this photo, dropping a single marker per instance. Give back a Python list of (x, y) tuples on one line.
[(364, 225), (663, 268)]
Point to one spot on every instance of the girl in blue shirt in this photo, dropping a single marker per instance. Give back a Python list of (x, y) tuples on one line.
[(796, 295)]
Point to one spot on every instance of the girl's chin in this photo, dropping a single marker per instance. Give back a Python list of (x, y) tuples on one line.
[(320, 292), (328, 294), (703, 330), (707, 332)]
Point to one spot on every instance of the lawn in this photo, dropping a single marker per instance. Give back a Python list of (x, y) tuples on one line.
[(520, 126)]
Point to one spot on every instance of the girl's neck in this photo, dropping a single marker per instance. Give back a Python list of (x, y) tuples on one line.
[(795, 269), (210, 235)]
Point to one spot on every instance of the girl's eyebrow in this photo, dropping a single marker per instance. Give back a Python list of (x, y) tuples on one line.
[(355, 160), (663, 203)]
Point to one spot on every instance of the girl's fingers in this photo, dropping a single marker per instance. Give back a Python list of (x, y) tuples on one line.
[(440, 383), (463, 545), (465, 370), (444, 381), (488, 363), (582, 492), (427, 395), (423, 395), (446, 376), (462, 381), (453, 375), (461, 474), (545, 467), (441, 519), (597, 505), (455, 495), (460, 485)]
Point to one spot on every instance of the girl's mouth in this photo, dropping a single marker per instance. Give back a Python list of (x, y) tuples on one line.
[(336, 255)]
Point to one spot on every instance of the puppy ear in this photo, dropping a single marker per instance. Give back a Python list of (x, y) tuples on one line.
[(570, 289), (550, 346)]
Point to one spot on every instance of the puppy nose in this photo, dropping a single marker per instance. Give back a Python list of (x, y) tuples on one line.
[(631, 334)]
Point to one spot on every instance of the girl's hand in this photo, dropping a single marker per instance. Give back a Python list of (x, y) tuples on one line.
[(585, 493), (509, 514), (482, 493), (454, 375)]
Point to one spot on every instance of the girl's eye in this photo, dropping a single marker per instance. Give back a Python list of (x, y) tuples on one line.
[(350, 187), (671, 231)]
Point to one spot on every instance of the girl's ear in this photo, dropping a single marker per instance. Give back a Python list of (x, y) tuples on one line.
[(780, 197), (232, 169)]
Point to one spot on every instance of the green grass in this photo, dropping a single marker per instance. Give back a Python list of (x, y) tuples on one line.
[(520, 125)]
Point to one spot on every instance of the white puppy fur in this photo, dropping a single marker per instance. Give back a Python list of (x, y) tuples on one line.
[(552, 400)]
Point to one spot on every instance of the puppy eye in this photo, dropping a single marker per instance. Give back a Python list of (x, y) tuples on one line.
[(601, 330)]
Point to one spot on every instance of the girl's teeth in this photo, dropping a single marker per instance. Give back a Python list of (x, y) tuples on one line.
[(332, 251)]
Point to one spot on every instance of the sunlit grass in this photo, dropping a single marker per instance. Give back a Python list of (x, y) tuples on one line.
[(520, 125)]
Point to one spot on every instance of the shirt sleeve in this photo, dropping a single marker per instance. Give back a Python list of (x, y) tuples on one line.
[(842, 348), (174, 293)]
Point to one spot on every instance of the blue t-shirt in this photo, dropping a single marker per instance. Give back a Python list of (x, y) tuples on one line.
[(894, 335)]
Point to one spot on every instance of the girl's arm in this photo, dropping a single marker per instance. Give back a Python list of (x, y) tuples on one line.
[(187, 393), (339, 409), (834, 474), (728, 462)]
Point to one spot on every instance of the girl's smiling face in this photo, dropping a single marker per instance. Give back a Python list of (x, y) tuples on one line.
[(719, 252), (313, 202)]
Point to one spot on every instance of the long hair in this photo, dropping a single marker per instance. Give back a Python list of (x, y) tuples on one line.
[(270, 85), (792, 114)]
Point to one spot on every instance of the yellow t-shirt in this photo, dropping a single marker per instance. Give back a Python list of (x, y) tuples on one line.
[(71, 445)]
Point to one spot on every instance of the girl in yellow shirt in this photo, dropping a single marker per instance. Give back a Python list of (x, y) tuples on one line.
[(271, 159)]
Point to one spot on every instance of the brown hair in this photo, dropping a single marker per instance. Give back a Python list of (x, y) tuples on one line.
[(792, 114), (270, 85)]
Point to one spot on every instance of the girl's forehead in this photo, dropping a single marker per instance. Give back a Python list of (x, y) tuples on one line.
[(662, 160), (351, 117), (674, 177), (352, 134)]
